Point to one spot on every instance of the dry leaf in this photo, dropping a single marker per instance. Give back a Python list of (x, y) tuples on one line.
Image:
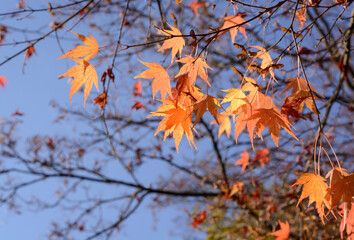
[(101, 100)]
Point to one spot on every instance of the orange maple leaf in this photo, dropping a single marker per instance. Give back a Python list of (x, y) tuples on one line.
[(137, 89), (231, 21), (348, 222), (206, 102), (177, 120), (161, 78), (342, 189), (84, 73), (272, 119), (243, 160), (193, 67), (262, 157), (300, 93), (224, 124), (88, 51), (195, 5), (284, 231), (3, 80), (315, 188), (176, 43)]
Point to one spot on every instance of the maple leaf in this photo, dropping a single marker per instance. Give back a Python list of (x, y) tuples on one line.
[(237, 99), (84, 73), (137, 89), (176, 43), (262, 157), (300, 93), (301, 14), (315, 188), (284, 231), (348, 222), (161, 78), (198, 219), (137, 105), (177, 120), (101, 100), (224, 124), (236, 188), (243, 160), (3, 80), (207, 102), (231, 21), (289, 110), (342, 189), (29, 52), (267, 61), (272, 119), (193, 67), (88, 51), (195, 5)]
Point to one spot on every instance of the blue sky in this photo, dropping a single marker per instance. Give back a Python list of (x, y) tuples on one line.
[(30, 92)]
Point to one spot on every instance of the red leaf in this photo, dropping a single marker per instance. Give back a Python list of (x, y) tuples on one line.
[(137, 89), (3, 80)]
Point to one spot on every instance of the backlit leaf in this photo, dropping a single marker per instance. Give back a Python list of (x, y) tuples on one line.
[(161, 78), (84, 73), (176, 43), (315, 189), (88, 51)]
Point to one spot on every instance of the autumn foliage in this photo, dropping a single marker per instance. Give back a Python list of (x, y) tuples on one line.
[(264, 92)]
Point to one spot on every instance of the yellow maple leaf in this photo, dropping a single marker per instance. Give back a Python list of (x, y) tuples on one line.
[(161, 78), (237, 99), (84, 73), (224, 124), (88, 51), (315, 188), (176, 43)]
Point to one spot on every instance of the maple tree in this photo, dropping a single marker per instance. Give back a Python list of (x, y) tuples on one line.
[(286, 69)]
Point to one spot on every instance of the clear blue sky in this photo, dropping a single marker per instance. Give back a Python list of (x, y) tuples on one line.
[(30, 93)]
